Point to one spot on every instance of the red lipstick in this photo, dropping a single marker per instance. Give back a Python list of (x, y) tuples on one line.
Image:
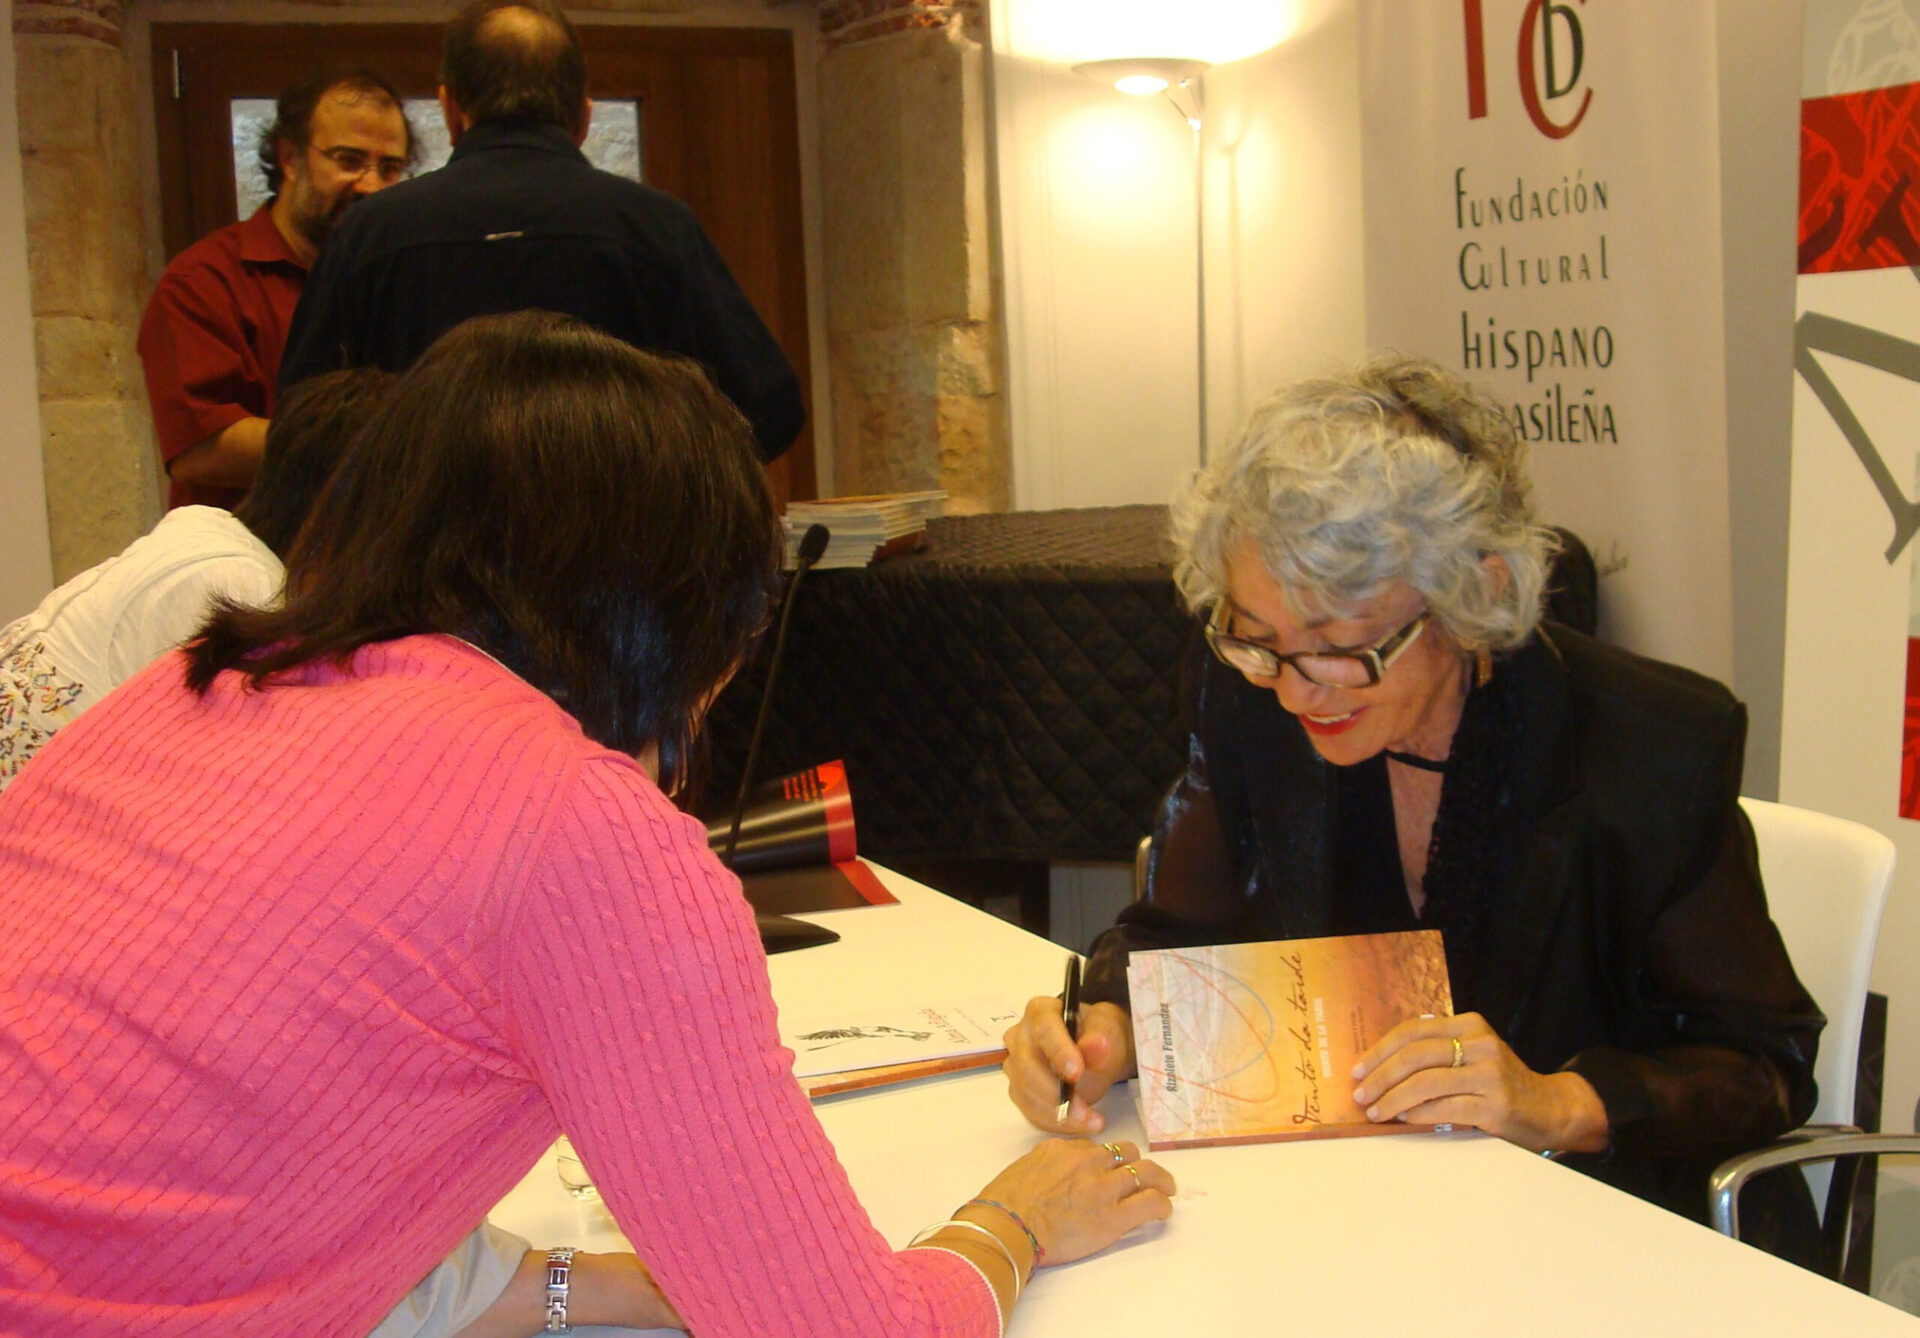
[(1328, 728)]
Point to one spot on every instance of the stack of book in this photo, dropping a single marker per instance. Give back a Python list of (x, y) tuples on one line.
[(864, 529)]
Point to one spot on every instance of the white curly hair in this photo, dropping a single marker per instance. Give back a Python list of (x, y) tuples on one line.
[(1395, 471)]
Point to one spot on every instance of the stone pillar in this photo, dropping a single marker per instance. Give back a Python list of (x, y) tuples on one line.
[(86, 261), (914, 339)]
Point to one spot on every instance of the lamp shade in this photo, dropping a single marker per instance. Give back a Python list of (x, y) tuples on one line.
[(1141, 76)]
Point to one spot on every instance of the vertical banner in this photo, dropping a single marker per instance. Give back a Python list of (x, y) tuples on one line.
[(1542, 215), (1856, 340), (1850, 723)]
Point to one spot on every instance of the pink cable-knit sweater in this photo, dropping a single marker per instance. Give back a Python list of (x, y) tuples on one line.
[(295, 984)]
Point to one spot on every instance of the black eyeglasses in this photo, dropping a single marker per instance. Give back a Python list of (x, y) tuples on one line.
[(1327, 669), (358, 162)]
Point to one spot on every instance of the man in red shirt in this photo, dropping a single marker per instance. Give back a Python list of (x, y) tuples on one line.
[(213, 332)]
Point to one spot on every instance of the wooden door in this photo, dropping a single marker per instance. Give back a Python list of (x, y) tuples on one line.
[(717, 119)]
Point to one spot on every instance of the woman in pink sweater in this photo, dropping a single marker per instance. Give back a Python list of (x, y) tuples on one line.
[(316, 933)]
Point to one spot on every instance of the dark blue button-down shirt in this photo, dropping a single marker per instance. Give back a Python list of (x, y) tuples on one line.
[(518, 219)]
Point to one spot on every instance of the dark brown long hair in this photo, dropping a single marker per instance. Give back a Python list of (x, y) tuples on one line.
[(307, 436), (592, 516)]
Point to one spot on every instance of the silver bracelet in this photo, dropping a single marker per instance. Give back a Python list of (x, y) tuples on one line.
[(1005, 1250), (559, 1283)]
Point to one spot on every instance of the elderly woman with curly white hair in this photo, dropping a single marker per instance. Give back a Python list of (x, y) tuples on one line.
[(1387, 737)]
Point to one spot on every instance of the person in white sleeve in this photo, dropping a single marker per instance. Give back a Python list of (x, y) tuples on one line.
[(109, 622)]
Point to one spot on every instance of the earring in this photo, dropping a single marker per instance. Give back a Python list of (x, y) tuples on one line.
[(1482, 667)]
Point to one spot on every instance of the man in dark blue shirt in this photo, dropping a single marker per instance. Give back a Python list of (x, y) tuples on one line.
[(518, 218)]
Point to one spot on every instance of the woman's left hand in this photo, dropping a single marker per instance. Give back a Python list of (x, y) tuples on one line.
[(1456, 1070)]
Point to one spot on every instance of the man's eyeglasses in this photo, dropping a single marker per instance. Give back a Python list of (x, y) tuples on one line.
[(358, 162), (1327, 669)]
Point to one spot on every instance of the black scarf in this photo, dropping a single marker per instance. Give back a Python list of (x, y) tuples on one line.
[(1475, 802)]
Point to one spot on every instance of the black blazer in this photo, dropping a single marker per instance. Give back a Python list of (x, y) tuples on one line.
[(1624, 934)]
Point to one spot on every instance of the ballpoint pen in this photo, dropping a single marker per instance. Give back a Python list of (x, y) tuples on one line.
[(1070, 1015)]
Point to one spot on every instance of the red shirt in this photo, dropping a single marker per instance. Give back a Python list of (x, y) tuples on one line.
[(212, 337)]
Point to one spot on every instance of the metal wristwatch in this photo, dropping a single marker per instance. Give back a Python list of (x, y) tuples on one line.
[(559, 1282)]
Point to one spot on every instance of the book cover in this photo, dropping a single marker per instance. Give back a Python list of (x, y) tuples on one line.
[(847, 1054), (797, 850), (1255, 1042)]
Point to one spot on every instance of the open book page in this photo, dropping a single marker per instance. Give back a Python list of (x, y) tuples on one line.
[(1251, 1042), (893, 1045)]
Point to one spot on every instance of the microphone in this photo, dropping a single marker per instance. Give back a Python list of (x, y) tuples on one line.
[(812, 544), (778, 933)]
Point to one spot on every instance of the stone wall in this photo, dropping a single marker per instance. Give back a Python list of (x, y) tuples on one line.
[(844, 21), (86, 261), (914, 342), (914, 333)]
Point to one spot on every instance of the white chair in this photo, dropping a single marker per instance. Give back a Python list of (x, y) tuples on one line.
[(1826, 881)]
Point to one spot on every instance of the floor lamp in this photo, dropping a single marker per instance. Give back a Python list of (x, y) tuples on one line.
[(1180, 82)]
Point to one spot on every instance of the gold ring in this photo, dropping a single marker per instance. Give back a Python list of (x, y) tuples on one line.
[(1119, 1157), (1128, 1167), (1459, 1053)]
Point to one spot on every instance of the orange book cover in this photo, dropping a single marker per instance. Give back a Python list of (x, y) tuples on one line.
[(1255, 1042), (886, 1075)]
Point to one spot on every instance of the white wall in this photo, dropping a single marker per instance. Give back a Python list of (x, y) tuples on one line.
[(1096, 238), (1287, 292), (1759, 69), (26, 562), (1097, 228)]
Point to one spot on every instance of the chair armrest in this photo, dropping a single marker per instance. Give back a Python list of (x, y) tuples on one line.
[(1811, 1144)]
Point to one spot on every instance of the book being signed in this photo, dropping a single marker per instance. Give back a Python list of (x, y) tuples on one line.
[(1253, 1042), (879, 1047)]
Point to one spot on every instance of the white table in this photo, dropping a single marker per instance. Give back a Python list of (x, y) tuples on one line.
[(1422, 1234)]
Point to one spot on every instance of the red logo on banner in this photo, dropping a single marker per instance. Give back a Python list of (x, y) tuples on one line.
[(1910, 737), (1860, 180), (1551, 56)]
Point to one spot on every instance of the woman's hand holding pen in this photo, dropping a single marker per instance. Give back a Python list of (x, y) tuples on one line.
[(1041, 1056)]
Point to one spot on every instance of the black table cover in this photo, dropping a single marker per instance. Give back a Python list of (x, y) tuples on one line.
[(1010, 693)]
